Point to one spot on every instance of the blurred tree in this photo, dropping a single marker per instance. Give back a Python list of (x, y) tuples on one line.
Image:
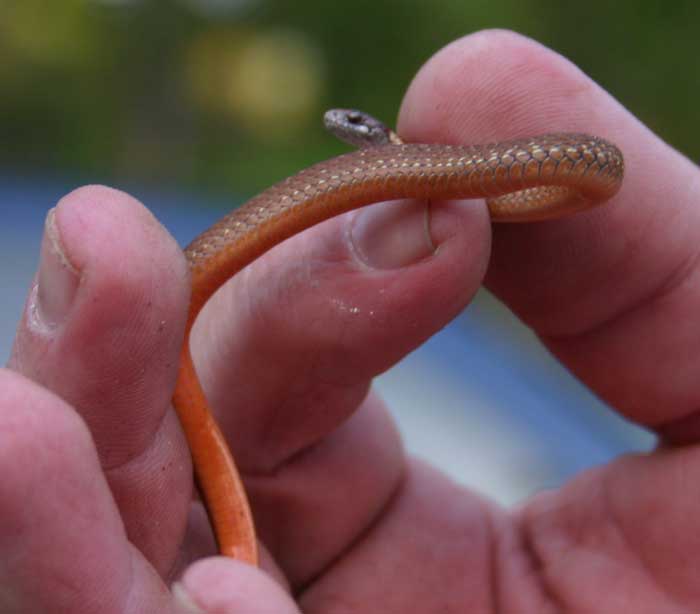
[(227, 94)]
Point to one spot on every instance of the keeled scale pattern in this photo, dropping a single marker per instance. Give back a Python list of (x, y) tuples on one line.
[(524, 179)]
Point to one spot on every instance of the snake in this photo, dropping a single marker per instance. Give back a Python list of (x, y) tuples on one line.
[(523, 180)]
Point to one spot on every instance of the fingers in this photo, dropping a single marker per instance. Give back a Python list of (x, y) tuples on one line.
[(287, 352), (432, 550), (63, 543), (223, 585), (303, 512), (102, 329), (64, 547), (612, 292), (308, 325), (633, 520)]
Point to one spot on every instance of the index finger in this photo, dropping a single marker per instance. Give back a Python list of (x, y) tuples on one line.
[(612, 292)]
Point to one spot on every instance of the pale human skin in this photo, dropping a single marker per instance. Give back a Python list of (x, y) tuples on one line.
[(95, 500)]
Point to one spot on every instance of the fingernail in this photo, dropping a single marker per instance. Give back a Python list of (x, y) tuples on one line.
[(392, 235), (183, 602), (57, 280)]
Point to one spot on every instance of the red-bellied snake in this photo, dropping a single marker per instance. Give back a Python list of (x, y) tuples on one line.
[(527, 179)]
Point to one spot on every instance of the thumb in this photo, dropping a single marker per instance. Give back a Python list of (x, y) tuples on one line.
[(218, 585)]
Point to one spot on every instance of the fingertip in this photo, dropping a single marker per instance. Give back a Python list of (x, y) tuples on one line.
[(497, 84), (101, 226), (116, 282), (219, 584), (590, 283), (84, 227)]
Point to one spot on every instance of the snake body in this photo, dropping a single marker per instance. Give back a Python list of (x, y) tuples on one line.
[(523, 180)]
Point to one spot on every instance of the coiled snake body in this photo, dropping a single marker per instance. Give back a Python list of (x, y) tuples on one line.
[(523, 180)]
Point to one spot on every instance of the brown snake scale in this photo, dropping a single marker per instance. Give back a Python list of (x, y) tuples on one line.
[(524, 180)]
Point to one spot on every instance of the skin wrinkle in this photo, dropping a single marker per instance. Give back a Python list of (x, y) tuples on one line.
[(395, 578), (617, 524), (362, 534), (332, 455), (584, 534), (671, 282), (495, 585), (532, 554), (142, 470), (513, 556), (354, 395), (144, 449), (296, 455), (644, 564)]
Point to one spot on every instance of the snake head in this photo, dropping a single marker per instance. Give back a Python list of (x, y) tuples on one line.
[(358, 128)]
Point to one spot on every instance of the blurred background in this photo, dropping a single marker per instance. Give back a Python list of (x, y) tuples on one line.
[(194, 105)]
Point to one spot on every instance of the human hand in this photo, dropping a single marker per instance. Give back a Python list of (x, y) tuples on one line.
[(101, 518)]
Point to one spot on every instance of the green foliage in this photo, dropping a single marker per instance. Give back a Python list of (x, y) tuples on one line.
[(158, 90)]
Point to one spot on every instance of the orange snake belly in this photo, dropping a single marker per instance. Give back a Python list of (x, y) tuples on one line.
[(524, 180)]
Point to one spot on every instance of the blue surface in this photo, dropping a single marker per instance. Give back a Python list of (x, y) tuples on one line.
[(481, 399)]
